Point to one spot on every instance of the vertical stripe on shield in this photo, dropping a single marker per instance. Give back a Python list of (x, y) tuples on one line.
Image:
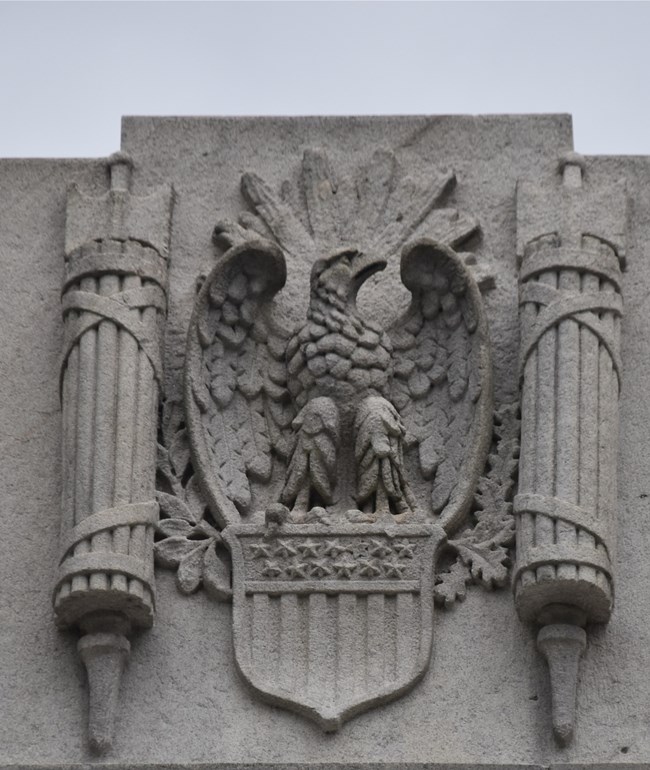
[(375, 641), (264, 646), (348, 640), (292, 665), (333, 649), (407, 628), (321, 646)]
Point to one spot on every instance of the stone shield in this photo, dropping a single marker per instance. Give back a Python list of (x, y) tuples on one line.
[(331, 621)]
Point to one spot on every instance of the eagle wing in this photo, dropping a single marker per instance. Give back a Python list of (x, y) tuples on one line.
[(237, 404), (442, 383)]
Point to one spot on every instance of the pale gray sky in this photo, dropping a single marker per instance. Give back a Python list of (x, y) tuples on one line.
[(69, 71)]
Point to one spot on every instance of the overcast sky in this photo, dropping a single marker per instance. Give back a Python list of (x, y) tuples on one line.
[(69, 71)]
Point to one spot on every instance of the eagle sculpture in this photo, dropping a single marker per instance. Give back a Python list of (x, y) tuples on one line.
[(339, 416)]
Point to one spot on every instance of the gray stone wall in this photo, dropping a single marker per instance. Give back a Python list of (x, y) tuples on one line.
[(485, 700)]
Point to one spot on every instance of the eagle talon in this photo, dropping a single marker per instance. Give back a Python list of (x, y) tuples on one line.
[(381, 483), (311, 475)]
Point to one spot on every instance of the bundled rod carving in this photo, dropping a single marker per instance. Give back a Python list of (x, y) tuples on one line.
[(571, 247), (114, 304)]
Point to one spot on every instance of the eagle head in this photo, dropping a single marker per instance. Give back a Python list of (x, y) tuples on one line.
[(339, 277)]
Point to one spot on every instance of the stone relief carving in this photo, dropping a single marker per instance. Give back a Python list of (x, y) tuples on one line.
[(571, 246), (482, 548), (332, 464), (114, 303)]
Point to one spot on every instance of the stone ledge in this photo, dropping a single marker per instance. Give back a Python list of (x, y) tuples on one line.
[(326, 766)]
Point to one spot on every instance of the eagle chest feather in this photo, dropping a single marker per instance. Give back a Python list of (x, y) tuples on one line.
[(338, 355)]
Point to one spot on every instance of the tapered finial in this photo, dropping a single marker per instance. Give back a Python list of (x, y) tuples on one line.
[(562, 644)]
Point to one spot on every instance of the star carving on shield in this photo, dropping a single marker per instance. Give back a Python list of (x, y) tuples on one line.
[(333, 548), (284, 549), (297, 570), (379, 549), (361, 549), (260, 550), (309, 548), (321, 568), (394, 569), (369, 568), (345, 566), (404, 549), (271, 568)]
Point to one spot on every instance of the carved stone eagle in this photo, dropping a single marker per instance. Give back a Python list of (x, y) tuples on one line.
[(338, 417)]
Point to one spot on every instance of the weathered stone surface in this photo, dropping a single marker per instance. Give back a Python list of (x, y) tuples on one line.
[(571, 307), (485, 700), (114, 304)]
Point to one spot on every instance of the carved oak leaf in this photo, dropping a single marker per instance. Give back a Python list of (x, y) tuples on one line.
[(452, 585), (482, 551), (495, 522), (486, 562)]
